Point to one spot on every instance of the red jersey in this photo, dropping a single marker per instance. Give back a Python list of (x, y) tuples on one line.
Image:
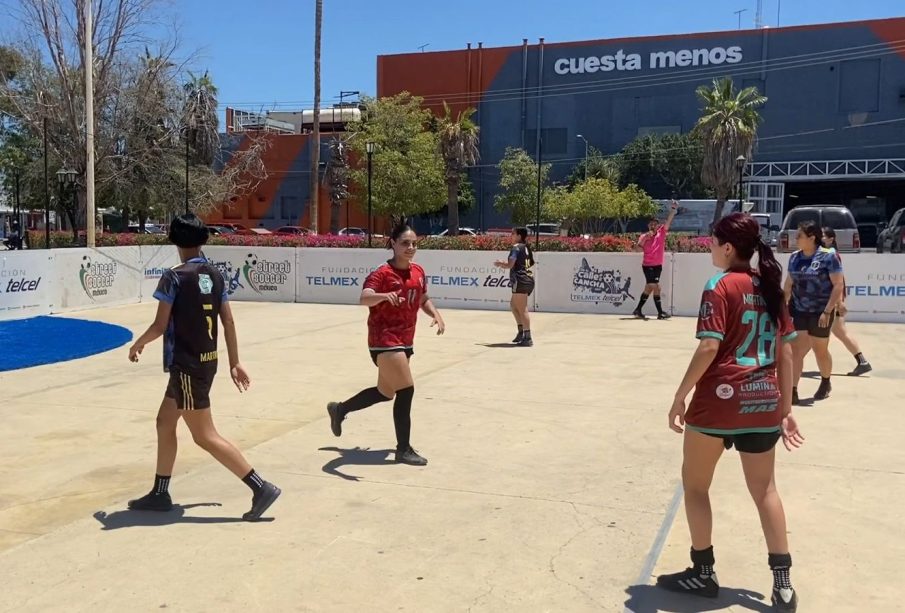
[(739, 393), (394, 326)]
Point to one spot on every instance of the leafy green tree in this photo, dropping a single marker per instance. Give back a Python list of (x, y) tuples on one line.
[(727, 129), (665, 164), (408, 172), (597, 166), (627, 204), (518, 185)]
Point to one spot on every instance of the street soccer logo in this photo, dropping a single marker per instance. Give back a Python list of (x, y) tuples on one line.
[(251, 263), (595, 285), (96, 278)]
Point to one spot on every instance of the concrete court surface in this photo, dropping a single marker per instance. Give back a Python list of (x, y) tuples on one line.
[(552, 484)]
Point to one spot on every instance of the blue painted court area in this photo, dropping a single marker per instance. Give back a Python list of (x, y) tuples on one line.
[(45, 340)]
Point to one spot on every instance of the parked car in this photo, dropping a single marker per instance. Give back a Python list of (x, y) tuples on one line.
[(291, 231), (892, 238), (217, 230), (839, 218), (769, 233), (546, 228), (150, 228), (353, 232), (462, 232), (237, 228)]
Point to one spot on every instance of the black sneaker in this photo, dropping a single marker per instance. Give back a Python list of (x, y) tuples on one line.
[(796, 401), (410, 456), (823, 392), (785, 600), (152, 502), (519, 338), (861, 369), (265, 497), (526, 342), (663, 316), (336, 419), (638, 314), (690, 582)]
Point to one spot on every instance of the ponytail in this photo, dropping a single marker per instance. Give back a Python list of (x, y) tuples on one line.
[(770, 273)]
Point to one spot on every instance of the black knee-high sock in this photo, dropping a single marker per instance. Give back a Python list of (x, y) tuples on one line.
[(362, 400), (642, 301), (402, 417), (658, 303)]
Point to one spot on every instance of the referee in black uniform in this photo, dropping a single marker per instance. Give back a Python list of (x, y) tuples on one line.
[(191, 299)]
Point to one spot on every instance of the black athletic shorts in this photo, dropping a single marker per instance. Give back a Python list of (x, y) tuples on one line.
[(523, 286), (752, 442), (191, 393), (652, 273), (409, 352), (810, 323)]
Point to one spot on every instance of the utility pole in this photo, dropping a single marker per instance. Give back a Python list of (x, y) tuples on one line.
[(89, 122)]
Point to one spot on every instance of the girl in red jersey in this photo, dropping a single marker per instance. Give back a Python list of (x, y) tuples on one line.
[(741, 374), (394, 293)]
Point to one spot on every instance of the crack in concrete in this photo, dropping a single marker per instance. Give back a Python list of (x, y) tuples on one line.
[(552, 562)]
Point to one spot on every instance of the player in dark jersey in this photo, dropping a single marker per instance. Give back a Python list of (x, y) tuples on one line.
[(521, 278), (394, 293), (191, 298), (814, 290), (741, 374), (862, 366)]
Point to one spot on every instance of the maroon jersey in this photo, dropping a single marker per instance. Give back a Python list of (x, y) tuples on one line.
[(394, 326), (739, 393)]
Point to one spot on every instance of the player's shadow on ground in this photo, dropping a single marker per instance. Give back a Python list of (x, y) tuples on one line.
[(497, 345), (131, 519), (815, 374), (355, 457), (651, 599)]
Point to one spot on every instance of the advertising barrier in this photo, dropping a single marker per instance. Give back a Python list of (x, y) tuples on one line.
[(467, 279), (335, 276), (154, 260), (27, 284), (90, 278), (257, 274), (41, 282), (608, 283), (874, 287)]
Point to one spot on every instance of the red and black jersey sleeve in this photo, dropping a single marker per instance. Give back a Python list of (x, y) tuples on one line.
[(714, 312)]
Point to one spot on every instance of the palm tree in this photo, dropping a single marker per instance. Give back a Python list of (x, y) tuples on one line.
[(200, 125), (458, 143), (316, 133), (728, 129)]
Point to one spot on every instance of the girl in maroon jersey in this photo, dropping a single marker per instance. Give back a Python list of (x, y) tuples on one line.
[(741, 374), (394, 293), (862, 366)]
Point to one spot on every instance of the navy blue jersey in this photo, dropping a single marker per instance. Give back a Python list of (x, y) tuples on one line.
[(524, 262), (196, 291), (811, 283)]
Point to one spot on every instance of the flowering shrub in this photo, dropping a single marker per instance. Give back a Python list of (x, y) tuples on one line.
[(613, 243)]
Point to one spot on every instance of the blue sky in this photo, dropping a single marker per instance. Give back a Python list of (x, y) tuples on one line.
[(261, 52)]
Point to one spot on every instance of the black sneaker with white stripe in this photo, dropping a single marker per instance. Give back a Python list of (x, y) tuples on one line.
[(785, 600), (691, 582)]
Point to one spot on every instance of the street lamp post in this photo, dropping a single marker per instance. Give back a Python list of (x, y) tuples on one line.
[(370, 149), (585, 155), (740, 164), (46, 190)]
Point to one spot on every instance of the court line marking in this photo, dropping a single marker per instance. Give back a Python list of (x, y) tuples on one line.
[(660, 540)]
